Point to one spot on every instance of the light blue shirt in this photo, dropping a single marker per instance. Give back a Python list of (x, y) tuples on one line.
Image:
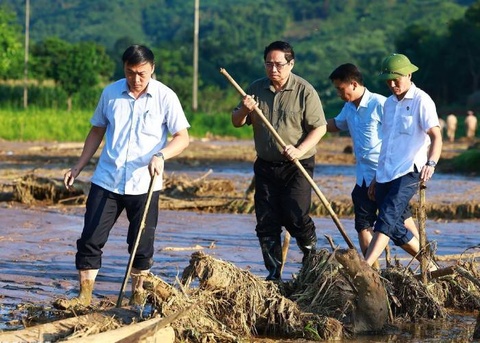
[(135, 130), (365, 126), (405, 138)]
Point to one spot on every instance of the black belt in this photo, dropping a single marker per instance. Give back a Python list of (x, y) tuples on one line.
[(275, 163)]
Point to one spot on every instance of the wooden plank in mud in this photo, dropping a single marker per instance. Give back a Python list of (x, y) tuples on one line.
[(54, 331), (147, 331)]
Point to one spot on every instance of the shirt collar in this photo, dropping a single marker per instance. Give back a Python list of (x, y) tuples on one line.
[(124, 88), (410, 93), (365, 98), (291, 81), (149, 91)]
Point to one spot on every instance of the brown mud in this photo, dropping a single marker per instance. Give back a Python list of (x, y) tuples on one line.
[(204, 207)]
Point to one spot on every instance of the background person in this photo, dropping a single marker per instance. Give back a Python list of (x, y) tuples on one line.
[(282, 192), (411, 148), (362, 116), (451, 127), (470, 125), (134, 115)]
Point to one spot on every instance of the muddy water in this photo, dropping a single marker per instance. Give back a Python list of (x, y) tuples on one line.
[(37, 248), (337, 180)]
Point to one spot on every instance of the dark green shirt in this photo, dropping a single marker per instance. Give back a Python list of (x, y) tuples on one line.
[(293, 112)]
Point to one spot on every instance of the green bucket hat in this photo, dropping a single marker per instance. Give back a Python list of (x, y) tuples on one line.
[(395, 66)]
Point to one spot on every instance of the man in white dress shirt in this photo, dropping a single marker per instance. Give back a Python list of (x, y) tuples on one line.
[(134, 115), (411, 148)]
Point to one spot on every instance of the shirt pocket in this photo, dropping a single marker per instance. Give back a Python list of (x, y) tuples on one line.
[(151, 124), (290, 118), (405, 125)]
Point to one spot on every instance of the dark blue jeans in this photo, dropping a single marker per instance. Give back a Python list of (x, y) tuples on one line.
[(102, 211), (283, 197), (393, 200)]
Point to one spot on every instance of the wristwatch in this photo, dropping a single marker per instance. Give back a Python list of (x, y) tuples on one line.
[(431, 163), (159, 154)]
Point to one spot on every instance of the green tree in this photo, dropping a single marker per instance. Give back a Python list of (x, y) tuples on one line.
[(460, 56), (427, 50), (11, 52), (73, 67), (86, 65), (171, 70), (47, 56)]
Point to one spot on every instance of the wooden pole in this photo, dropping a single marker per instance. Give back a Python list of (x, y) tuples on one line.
[(422, 218), (137, 240), (195, 56), (25, 66)]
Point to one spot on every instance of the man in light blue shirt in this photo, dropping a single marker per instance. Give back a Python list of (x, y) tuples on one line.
[(362, 117), (134, 116)]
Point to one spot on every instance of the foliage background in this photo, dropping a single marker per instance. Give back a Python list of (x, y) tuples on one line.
[(76, 47)]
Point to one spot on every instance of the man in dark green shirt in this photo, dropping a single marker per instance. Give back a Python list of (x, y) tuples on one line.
[(282, 193)]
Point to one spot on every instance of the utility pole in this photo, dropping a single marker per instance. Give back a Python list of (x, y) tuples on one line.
[(25, 70), (195, 56)]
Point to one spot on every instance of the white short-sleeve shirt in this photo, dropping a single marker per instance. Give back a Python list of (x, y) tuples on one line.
[(135, 130), (405, 140)]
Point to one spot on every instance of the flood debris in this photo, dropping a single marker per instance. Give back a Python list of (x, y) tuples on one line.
[(249, 306), (205, 193), (31, 189), (335, 295)]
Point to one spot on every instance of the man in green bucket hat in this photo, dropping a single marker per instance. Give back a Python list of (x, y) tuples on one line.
[(411, 147)]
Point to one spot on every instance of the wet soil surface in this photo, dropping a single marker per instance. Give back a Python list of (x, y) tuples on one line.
[(37, 242)]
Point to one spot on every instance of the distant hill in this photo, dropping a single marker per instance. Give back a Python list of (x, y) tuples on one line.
[(156, 21), (233, 34)]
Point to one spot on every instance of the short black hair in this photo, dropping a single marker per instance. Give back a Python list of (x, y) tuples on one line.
[(281, 46), (346, 73), (138, 54)]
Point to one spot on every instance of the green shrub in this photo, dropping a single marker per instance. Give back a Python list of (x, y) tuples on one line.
[(467, 162)]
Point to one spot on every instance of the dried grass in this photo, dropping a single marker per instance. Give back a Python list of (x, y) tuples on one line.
[(222, 303)]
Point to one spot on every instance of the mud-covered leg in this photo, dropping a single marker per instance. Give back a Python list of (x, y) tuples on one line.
[(139, 294), (84, 298)]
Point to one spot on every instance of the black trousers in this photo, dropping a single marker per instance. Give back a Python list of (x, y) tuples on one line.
[(102, 211), (283, 197)]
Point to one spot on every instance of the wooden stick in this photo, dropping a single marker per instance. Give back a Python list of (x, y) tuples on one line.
[(137, 240), (297, 163), (285, 245), (424, 262), (439, 273), (444, 258), (466, 274)]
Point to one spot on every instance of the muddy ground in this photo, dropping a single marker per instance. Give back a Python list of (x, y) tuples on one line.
[(37, 239)]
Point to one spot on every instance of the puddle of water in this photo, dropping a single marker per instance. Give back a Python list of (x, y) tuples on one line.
[(37, 251), (338, 180)]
